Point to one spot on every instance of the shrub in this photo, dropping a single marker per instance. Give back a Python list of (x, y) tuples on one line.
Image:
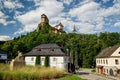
[(46, 61), (93, 70), (37, 61)]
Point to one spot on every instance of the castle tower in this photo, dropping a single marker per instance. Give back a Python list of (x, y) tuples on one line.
[(74, 29), (44, 18)]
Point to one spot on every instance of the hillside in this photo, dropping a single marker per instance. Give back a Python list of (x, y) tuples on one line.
[(85, 46)]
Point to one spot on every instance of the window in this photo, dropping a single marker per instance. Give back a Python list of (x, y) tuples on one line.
[(52, 49), (116, 62), (107, 70), (65, 59), (42, 59), (39, 49), (106, 61), (104, 70), (32, 59), (103, 61), (54, 59)]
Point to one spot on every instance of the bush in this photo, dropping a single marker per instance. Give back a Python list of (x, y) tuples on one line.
[(37, 61), (46, 61), (93, 70)]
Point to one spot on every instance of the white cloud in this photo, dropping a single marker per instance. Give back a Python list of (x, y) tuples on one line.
[(12, 4), (117, 24), (105, 1), (88, 15), (3, 20), (67, 1), (4, 38)]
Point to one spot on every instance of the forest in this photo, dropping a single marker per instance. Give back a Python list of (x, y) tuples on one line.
[(84, 47)]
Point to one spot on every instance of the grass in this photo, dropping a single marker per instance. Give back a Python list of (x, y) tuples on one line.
[(35, 73), (30, 73), (93, 70), (71, 77)]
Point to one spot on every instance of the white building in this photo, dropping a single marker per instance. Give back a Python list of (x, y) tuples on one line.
[(108, 61), (3, 56), (57, 57)]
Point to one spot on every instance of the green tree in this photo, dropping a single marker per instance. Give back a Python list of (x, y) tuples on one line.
[(46, 63), (37, 61)]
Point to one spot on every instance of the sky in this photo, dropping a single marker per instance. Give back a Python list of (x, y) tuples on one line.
[(18, 17)]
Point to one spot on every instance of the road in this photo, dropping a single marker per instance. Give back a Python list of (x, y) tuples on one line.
[(86, 74)]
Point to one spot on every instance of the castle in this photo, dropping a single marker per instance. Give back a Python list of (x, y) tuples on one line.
[(57, 29)]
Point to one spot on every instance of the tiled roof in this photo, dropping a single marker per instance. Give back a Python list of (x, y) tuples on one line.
[(107, 52), (46, 49), (47, 46)]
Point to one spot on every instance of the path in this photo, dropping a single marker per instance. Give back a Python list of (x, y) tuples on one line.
[(86, 74)]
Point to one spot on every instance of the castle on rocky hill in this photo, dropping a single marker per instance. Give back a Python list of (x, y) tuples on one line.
[(56, 29)]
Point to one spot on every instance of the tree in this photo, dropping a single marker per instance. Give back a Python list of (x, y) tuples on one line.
[(37, 61), (46, 64)]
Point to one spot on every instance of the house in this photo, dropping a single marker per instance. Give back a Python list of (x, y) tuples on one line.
[(108, 61), (57, 57), (58, 29), (3, 56)]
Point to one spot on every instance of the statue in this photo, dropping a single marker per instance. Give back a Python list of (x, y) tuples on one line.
[(18, 62)]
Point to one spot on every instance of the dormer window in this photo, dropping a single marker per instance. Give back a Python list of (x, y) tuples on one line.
[(39, 49), (52, 49)]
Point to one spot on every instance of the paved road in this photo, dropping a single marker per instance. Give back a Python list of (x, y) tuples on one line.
[(86, 74)]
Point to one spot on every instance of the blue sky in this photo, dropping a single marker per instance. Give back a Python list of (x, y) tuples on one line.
[(89, 16)]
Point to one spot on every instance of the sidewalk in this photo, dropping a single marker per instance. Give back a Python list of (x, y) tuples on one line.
[(87, 74), (107, 76)]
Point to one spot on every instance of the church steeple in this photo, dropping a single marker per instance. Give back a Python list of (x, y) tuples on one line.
[(74, 29)]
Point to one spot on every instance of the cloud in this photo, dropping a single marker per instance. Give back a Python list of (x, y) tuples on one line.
[(66, 1), (12, 4), (3, 19), (88, 16), (117, 24), (4, 38), (105, 1), (31, 19)]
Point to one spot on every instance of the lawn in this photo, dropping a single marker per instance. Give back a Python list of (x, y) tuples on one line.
[(71, 77)]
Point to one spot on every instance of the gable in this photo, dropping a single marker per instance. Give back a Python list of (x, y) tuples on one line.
[(116, 53), (107, 52)]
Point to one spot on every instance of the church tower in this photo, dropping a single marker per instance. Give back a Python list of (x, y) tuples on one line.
[(74, 29)]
